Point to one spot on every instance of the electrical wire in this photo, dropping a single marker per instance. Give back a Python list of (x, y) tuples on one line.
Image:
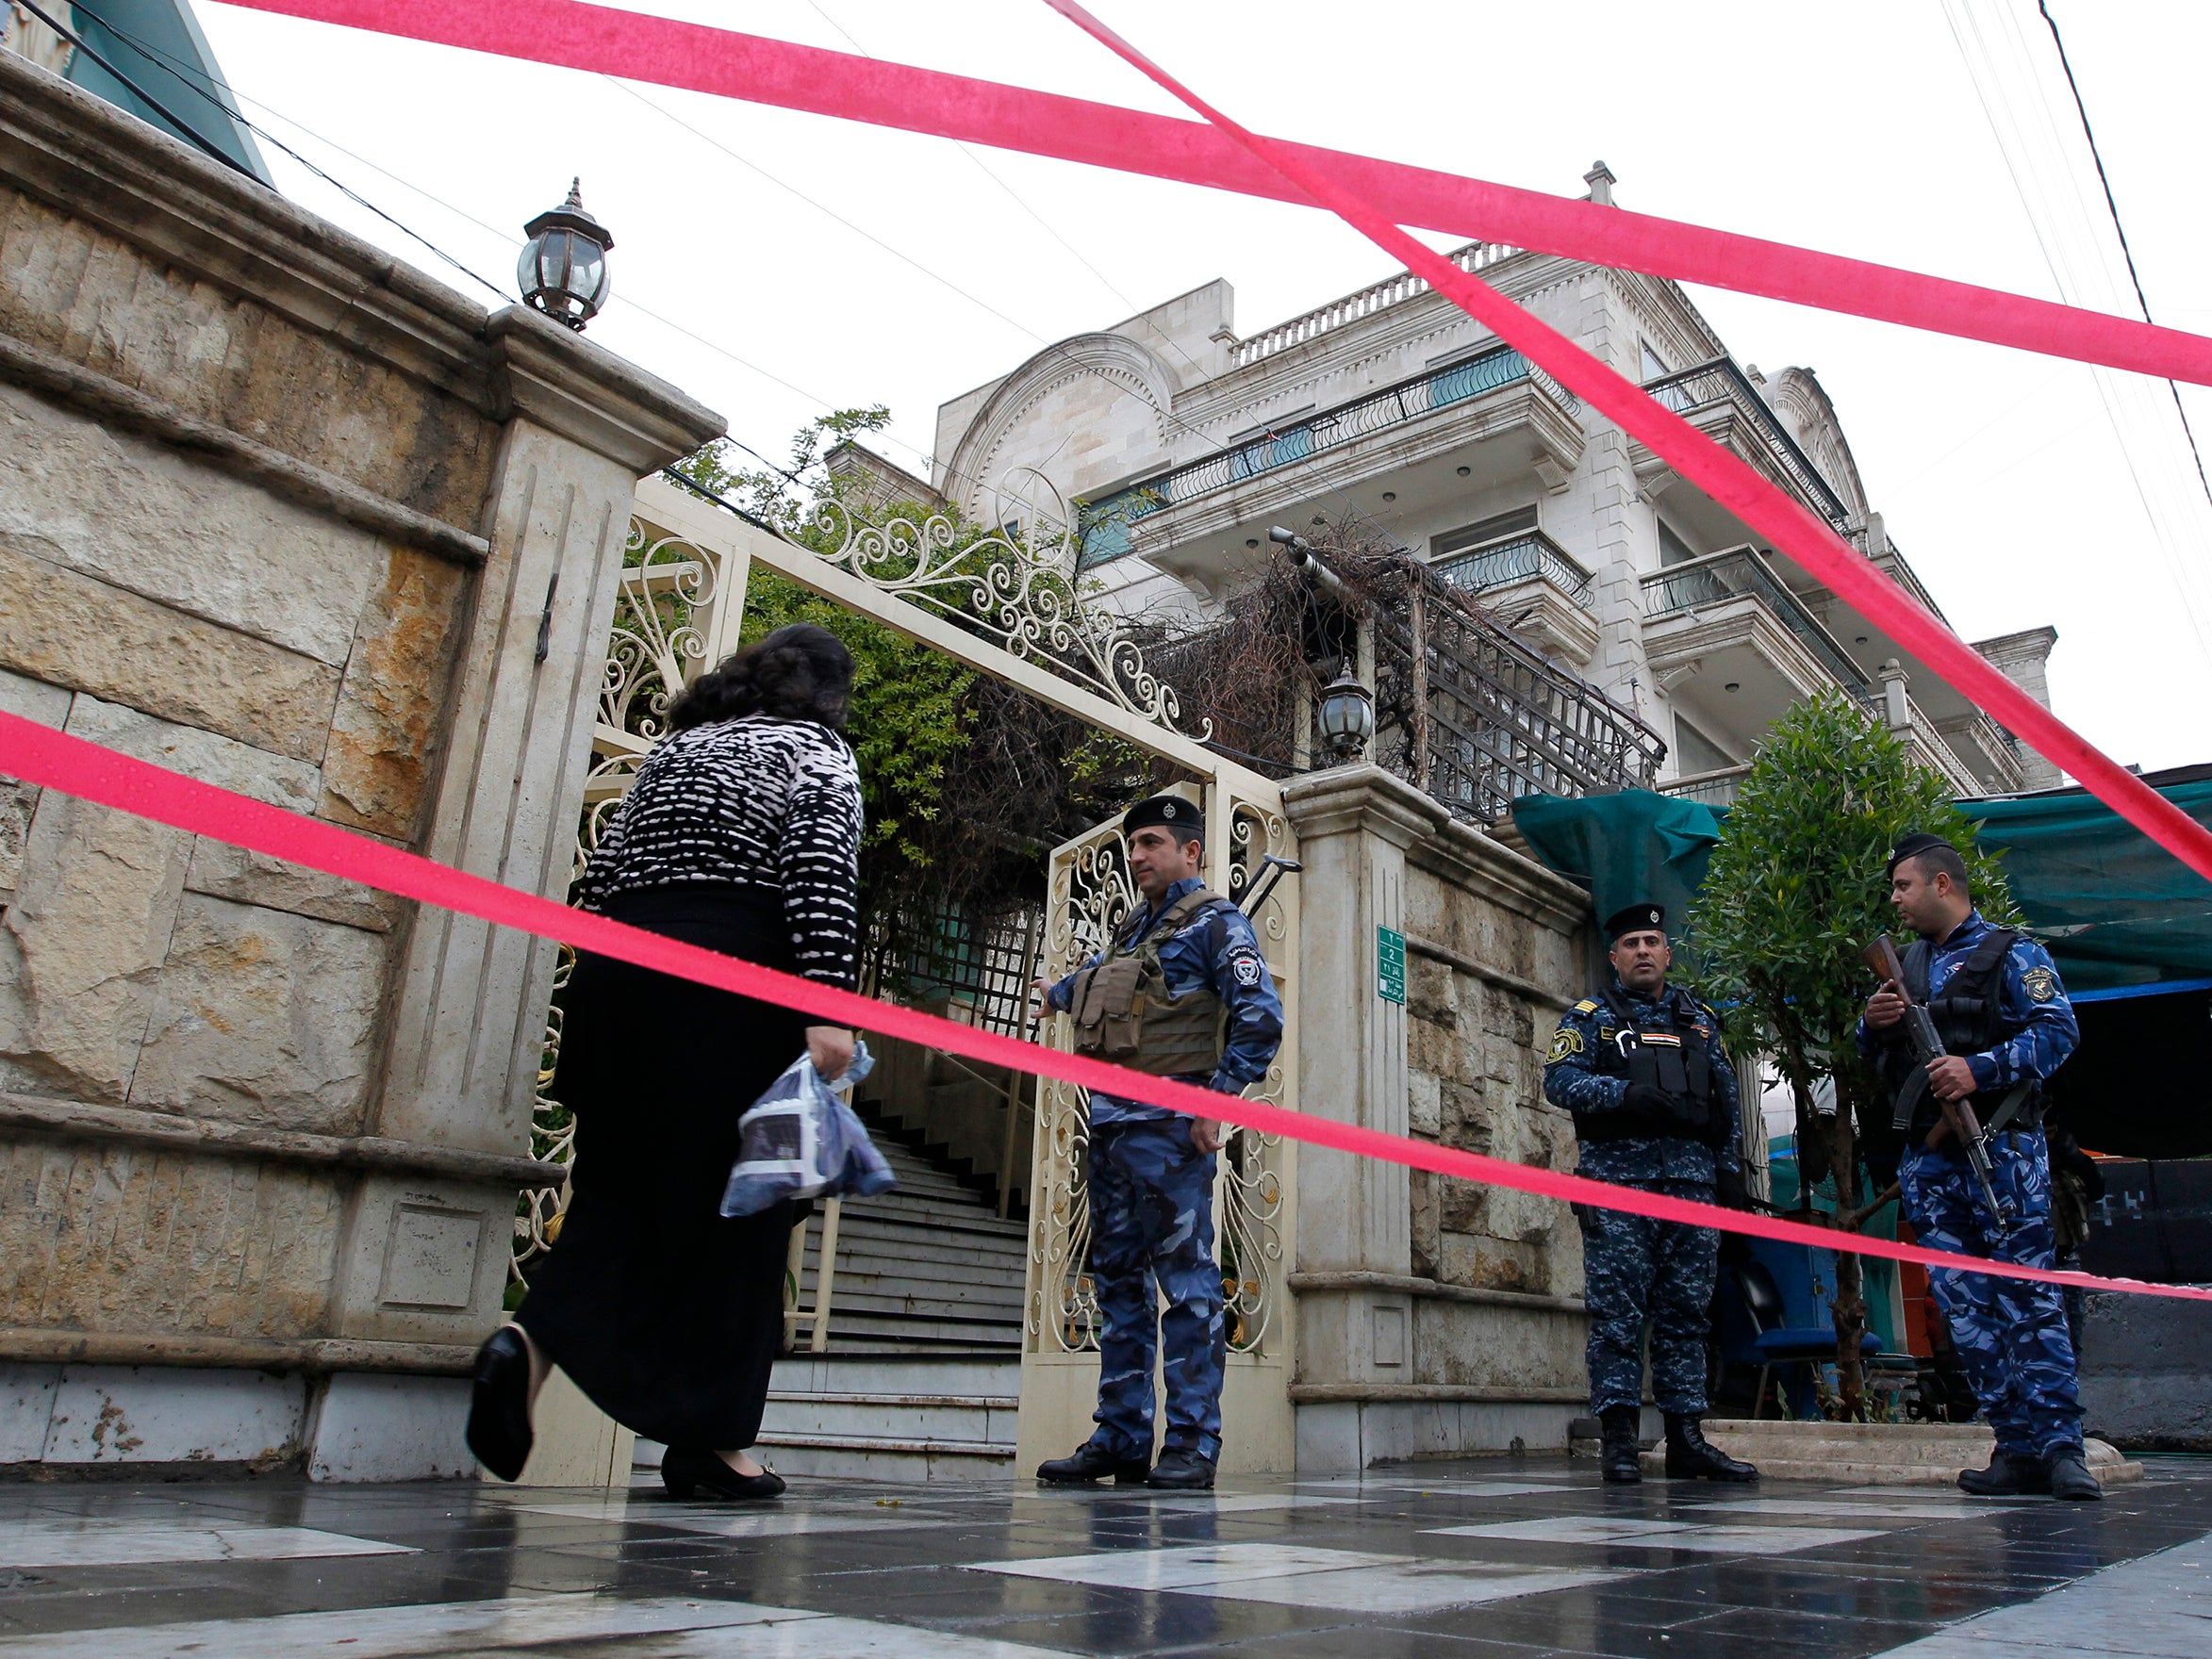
[(2120, 230), (213, 91), (184, 129), (178, 69), (2015, 130)]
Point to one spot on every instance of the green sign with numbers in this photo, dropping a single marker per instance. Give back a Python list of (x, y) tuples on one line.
[(1389, 965)]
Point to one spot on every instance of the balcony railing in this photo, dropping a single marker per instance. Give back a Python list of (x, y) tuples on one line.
[(1523, 558), (1714, 789), (1718, 578), (1721, 382), (1392, 291), (1106, 523)]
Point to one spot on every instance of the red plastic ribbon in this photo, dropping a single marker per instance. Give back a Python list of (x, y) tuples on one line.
[(667, 53), (1724, 477), (774, 72), (55, 759)]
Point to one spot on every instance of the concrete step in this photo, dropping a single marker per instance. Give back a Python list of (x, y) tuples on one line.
[(931, 1228), (960, 1288), (985, 1420), (902, 1417), (924, 1330), (1871, 1454)]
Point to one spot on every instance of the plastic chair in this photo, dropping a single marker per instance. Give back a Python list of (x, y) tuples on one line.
[(1775, 1343)]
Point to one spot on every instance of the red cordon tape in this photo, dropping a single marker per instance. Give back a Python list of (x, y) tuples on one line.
[(1728, 480), (774, 72), (761, 71), (55, 759)]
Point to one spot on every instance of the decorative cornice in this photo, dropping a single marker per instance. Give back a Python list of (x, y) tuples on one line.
[(315, 1356), (89, 160), (967, 469), (1430, 1393), (114, 404), (1514, 983), (1343, 799), (1435, 1291), (87, 157), (76, 1120), (555, 377), (1485, 867)]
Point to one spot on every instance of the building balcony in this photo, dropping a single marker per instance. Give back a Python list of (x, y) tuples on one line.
[(1713, 789), (1196, 514), (1532, 585), (1727, 641), (1719, 400)]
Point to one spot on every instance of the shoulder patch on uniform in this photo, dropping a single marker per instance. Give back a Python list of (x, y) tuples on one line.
[(1586, 1007), (2040, 984), (1246, 968), (1564, 1041)]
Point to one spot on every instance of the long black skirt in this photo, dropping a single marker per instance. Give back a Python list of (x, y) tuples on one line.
[(665, 1313)]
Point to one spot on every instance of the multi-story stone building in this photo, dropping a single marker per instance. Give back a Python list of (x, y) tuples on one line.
[(1181, 442)]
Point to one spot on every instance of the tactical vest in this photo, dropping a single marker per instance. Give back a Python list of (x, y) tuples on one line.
[(1123, 1012), (1674, 1059), (1969, 1017)]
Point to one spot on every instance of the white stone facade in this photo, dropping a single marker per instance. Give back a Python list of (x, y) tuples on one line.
[(1392, 410)]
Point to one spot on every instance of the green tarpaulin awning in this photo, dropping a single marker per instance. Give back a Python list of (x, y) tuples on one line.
[(2115, 909)]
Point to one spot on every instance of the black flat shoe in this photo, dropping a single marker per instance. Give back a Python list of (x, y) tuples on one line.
[(687, 1472), (498, 1403)]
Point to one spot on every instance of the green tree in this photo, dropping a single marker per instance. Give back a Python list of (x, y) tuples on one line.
[(1795, 891), (910, 716)]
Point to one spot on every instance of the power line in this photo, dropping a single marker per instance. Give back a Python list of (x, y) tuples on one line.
[(184, 130), (2013, 131), (177, 68), (1087, 367), (213, 91), (2112, 208)]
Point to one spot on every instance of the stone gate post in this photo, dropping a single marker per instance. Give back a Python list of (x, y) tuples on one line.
[(1433, 1317)]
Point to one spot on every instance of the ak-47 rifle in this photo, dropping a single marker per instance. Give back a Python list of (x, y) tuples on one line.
[(1927, 1046)]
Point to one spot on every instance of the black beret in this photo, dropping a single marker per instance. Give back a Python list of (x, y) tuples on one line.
[(1911, 848), (1641, 917), (1185, 818)]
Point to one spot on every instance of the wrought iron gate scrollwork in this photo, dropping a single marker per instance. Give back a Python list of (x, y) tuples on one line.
[(1090, 895), (1253, 1196), (667, 624)]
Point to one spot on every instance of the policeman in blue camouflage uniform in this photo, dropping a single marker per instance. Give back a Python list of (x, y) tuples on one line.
[(2007, 1026), (1182, 992), (1652, 1094)]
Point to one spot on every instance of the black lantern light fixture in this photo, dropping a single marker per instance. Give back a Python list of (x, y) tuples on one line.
[(1348, 715), (563, 271)]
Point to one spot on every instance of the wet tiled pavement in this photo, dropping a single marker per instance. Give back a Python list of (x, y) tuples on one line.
[(1490, 1557)]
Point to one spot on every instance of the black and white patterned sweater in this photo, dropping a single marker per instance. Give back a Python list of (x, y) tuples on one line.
[(760, 803)]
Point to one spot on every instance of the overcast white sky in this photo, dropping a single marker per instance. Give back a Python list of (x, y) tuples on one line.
[(1855, 128)]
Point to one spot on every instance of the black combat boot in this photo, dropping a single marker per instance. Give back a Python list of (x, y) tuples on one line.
[(1092, 1462), (1183, 1470), (2008, 1476), (2068, 1472), (1691, 1456), (1617, 1458)]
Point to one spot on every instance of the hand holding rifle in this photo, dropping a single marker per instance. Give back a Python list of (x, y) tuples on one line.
[(1947, 1076)]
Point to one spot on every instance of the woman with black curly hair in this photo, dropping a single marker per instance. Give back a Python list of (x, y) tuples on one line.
[(741, 834)]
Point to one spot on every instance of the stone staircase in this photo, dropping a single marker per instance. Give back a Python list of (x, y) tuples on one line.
[(923, 1367), (1871, 1454)]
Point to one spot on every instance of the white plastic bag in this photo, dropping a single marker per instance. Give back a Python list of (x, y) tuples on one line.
[(801, 1140)]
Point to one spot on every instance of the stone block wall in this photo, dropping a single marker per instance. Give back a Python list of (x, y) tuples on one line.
[(282, 515), (1485, 986)]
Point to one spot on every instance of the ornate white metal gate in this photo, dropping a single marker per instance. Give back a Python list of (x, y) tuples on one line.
[(1004, 605)]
